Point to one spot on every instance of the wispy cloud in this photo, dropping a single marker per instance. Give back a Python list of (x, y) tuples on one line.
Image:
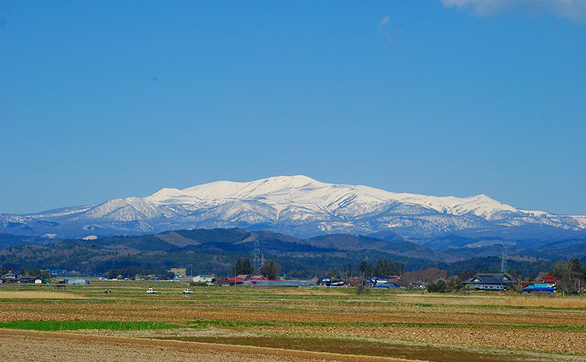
[(574, 10), (382, 28)]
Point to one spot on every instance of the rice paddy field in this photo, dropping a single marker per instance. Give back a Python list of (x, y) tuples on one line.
[(288, 324)]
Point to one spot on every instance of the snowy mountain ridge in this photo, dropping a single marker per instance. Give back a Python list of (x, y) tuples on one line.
[(282, 191), (300, 206)]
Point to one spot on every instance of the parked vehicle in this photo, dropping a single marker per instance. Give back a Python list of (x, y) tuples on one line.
[(152, 291), (187, 291)]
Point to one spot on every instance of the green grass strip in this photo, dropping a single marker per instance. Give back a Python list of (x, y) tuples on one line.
[(79, 324)]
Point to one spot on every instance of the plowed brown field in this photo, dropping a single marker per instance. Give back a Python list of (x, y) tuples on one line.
[(381, 323)]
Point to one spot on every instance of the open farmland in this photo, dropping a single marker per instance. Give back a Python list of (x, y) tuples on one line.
[(282, 324)]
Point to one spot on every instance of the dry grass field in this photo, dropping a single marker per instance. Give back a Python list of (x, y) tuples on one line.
[(31, 294), (392, 324)]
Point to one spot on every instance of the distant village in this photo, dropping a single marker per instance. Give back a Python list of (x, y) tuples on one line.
[(431, 280)]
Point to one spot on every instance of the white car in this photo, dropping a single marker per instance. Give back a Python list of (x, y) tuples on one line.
[(187, 291), (152, 291)]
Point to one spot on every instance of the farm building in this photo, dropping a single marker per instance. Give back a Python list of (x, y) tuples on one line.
[(545, 284), (383, 282), (205, 279), (386, 280), (539, 288), (489, 281), (76, 281), (387, 286), (549, 279), (27, 280), (233, 281), (299, 283), (9, 276)]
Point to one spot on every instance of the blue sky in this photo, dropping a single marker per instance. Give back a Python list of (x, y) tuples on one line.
[(112, 99)]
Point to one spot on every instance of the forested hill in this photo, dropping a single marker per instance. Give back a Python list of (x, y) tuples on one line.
[(212, 251), (216, 250)]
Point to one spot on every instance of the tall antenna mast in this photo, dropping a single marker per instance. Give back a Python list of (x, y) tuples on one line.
[(504, 259)]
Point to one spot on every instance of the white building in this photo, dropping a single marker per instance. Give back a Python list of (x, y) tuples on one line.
[(204, 279)]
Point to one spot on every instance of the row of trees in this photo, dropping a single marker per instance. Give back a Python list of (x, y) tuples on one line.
[(365, 269), (382, 267)]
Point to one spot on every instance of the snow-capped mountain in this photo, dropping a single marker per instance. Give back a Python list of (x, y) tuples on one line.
[(300, 206)]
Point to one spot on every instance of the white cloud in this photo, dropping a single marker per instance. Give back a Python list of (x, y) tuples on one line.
[(382, 28), (574, 10), (385, 20)]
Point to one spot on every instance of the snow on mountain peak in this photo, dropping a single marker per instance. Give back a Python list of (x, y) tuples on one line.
[(304, 206), (165, 194), (300, 191), (239, 190)]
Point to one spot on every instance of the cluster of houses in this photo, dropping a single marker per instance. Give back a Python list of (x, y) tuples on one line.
[(479, 282), (384, 282), (545, 284), (375, 282), (252, 279), (260, 280), (20, 279)]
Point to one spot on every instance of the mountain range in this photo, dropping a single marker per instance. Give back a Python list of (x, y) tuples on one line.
[(303, 207)]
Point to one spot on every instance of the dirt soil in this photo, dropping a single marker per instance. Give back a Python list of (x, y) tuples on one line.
[(53, 346)]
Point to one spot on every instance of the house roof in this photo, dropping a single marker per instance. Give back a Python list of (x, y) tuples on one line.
[(490, 278), (539, 286), (257, 277)]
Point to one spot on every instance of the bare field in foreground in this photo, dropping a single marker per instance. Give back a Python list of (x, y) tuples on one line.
[(407, 325)]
